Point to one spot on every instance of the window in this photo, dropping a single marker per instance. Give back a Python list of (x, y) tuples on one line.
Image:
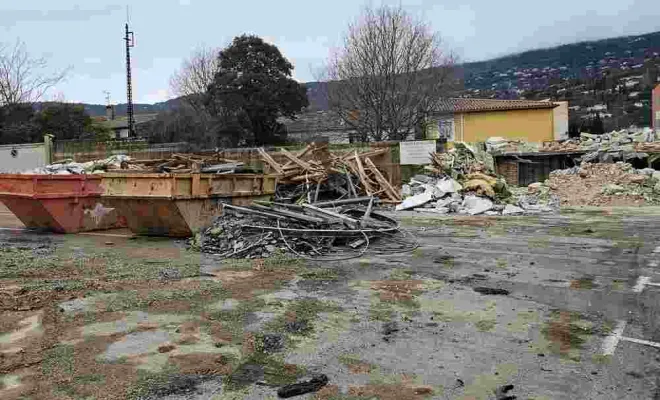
[(446, 128)]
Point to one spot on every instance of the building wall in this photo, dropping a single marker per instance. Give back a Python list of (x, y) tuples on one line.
[(560, 120), (655, 109), (24, 158), (529, 125)]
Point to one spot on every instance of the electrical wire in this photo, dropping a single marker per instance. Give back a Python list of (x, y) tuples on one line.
[(364, 250)]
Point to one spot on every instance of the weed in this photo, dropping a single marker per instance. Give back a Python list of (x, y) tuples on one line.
[(349, 359), (400, 274), (538, 242), (485, 325), (417, 253), (502, 263), (58, 360), (149, 382), (91, 379), (301, 313), (320, 274), (275, 371)]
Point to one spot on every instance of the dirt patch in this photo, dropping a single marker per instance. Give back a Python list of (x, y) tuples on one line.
[(219, 334), (328, 392), (151, 252), (391, 392), (359, 368), (202, 364), (189, 332), (472, 221), (586, 188), (397, 290), (242, 284)]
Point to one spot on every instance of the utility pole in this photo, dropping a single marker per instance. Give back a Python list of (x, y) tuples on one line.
[(130, 42)]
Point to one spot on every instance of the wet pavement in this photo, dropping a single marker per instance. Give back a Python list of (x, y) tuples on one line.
[(484, 302)]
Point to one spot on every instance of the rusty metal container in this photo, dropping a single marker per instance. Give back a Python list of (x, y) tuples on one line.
[(177, 205), (58, 203)]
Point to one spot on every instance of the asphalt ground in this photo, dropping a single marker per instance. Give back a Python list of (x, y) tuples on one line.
[(534, 302)]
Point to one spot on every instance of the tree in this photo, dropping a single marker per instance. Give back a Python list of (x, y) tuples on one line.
[(22, 78), (252, 89), (17, 124), (194, 77), (391, 72), (65, 121)]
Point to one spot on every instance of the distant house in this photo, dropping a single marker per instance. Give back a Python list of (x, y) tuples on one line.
[(119, 125), (316, 126), (475, 120)]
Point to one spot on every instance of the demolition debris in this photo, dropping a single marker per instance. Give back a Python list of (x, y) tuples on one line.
[(343, 229)]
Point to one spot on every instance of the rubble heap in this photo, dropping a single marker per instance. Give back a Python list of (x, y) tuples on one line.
[(617, 184), (346, 228), (351, 174), (622, 145), (463, 181)]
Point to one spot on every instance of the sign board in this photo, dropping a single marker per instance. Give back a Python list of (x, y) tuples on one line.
[(416, 152)]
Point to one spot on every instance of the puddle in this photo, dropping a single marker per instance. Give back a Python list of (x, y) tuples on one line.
[(134, 320), (135, 344)]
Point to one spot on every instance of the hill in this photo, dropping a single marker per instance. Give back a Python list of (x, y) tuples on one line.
[(616, 75)]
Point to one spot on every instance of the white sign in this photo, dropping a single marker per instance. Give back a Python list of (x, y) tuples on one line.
[(417, 152)]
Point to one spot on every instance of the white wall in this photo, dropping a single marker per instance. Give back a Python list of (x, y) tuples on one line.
[(560, 117), (25, 157)]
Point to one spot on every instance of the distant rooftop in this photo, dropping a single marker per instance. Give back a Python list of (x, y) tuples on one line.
[(463, 105)]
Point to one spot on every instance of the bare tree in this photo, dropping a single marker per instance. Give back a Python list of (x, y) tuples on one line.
[(389, 76), (23, 79), (192, 80)]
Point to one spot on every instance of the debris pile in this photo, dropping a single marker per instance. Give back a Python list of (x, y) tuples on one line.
[(346, 229), (74, 168), (178, 163), (593, 184), (560, 147), (463, 159), (464, 182), (499, 145), (622, 145), (349, 175)]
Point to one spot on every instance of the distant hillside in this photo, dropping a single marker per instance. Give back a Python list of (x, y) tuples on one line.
[(617, 72)]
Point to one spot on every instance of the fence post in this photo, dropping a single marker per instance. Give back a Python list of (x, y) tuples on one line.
[(48, 148)]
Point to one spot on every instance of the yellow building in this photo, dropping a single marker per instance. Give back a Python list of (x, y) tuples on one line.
[(475, 120)]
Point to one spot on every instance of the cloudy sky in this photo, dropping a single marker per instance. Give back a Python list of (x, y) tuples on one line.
[(87, 35)]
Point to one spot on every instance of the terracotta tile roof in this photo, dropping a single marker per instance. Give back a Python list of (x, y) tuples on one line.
[(464, 105)]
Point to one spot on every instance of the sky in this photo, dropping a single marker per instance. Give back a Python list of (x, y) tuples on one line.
[(87, 36)]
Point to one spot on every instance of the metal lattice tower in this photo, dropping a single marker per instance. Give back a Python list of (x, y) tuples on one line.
[(130, 42)]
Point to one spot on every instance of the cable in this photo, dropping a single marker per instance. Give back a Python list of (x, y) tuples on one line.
[(364, 250)]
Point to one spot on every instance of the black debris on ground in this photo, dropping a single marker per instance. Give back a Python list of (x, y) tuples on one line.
[(501, 393), (273, 342), (389, 329), (491, 291), (297, 389)]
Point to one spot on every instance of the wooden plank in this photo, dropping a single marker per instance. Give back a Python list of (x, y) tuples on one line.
[(394, 195), (363, 175), (301, 154), (311, 177), (266, 157), (303, 164)]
